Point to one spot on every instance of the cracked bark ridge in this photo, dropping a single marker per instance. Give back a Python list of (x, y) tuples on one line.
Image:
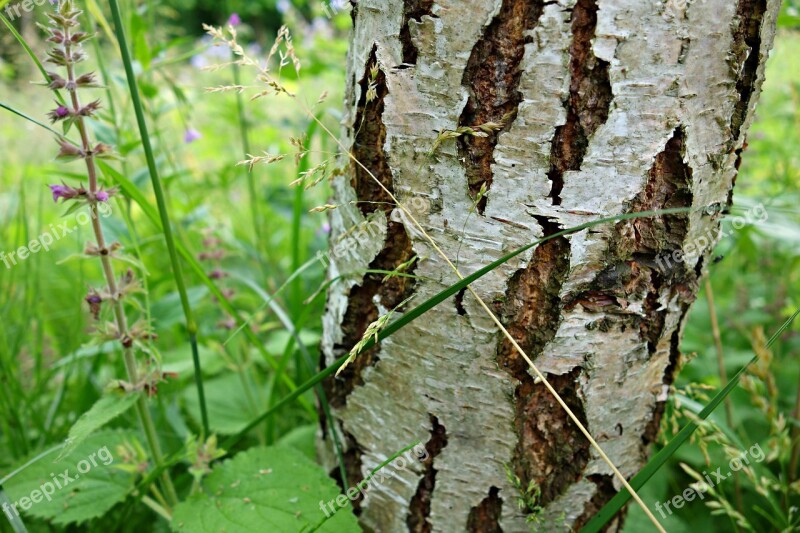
[(492, 79), (589, 101), (362, 307), (485, 517), (412, 10), (746, 57), (420, 507), (551, 450)]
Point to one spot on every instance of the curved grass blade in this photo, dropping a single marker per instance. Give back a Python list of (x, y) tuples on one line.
[(133, 192), (283, 317), (616, 503), (33, 120), (13, 518), (166, 227), (433, 302), (28, 50)]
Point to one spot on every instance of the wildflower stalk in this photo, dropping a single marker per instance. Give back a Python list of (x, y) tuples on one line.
[(68, 56), (191, 325)]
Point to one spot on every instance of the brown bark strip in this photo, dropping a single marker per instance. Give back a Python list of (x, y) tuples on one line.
[(589, 101), (419, 508), (492, 78), (362, 308), (746, 57), (551, 451), (485, 517), (413, 10)]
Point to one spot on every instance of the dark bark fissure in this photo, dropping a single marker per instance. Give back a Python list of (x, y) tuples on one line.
[(641, 266), (589, 101), (413, 10), (485, 517), (492, 78), (746, 57), (551, 450), (419, 508), (362, 308), (352, 466), (605, 491)]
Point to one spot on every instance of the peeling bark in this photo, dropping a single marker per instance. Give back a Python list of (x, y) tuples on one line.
[(608, 107)]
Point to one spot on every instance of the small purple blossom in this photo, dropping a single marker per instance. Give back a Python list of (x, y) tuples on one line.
[(234, 19), (191, 136), (59, 113), (102, 196), (60, 191)]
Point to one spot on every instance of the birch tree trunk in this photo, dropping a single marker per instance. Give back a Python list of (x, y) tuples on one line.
[(606, 107)]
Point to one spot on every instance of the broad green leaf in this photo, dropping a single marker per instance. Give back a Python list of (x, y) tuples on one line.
[(263, 489), (77, 488), (228, 408), (302, 439), (101, 413)]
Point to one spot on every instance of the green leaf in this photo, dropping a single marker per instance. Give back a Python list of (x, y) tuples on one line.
[(102, 412), (657, 461), (263, 489), (94, 482), (228, 407)]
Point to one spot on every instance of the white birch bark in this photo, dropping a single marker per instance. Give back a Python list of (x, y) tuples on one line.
[(664, 92)]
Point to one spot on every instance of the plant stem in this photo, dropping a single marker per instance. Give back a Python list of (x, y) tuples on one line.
[(111, 281), (191, 325)]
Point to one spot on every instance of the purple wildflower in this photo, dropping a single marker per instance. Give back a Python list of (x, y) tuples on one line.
[(59, 113), (61, 191), (191, 136), (234, 19), (102, 196)]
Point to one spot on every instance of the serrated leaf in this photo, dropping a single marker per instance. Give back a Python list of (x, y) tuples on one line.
[(101, 413), (263, 489), (88, 495)]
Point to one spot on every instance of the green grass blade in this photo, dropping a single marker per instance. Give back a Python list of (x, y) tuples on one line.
[(14, 519), (166, 227), (32, 120), (616, 503), (28, 50), (432, 302), (133, 192)]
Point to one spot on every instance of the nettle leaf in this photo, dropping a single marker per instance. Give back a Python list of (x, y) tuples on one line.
[(264, 489), (77, 488), (101, 413)]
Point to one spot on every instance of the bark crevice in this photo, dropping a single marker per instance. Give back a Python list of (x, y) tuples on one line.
[(362, 308), (413, 10), (485, 517), (492, 78), (551, 451), (419, 508), (746, 57), (589, 102)]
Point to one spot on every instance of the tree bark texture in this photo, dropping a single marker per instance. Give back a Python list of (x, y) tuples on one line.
[(607, 107)]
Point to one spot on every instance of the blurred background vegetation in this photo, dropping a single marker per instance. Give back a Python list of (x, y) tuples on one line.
[(50, 373)]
